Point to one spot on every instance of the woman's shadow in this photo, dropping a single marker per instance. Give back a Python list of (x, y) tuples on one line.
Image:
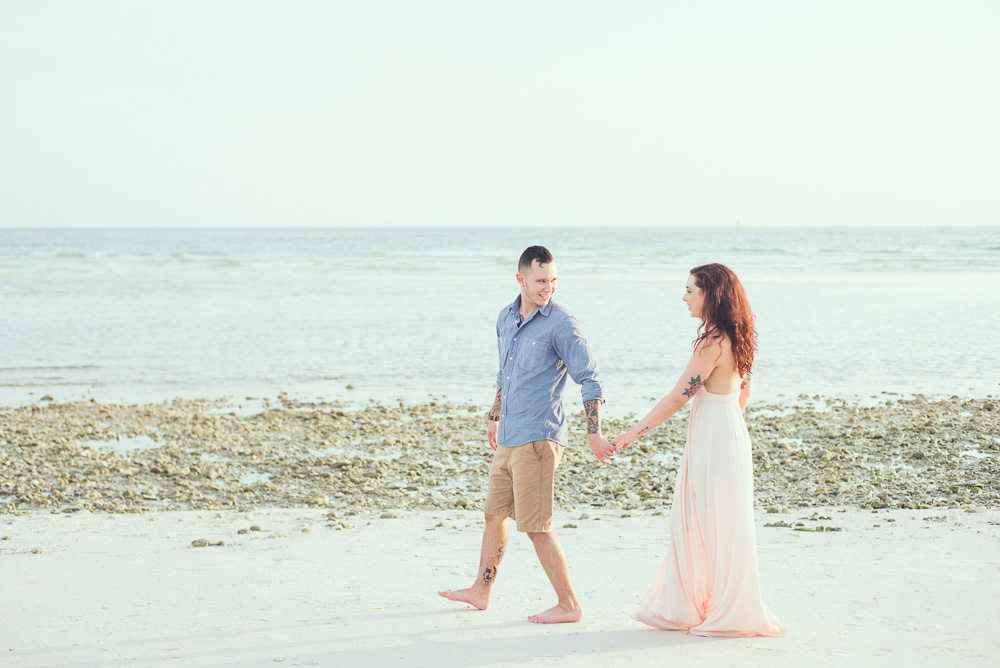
[(477, 646)]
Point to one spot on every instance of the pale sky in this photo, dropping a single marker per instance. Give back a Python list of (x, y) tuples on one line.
[(236, 113)]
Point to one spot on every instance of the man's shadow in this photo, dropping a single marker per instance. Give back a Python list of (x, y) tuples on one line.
[(440, 649)]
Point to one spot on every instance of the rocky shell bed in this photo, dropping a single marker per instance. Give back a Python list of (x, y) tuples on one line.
[(206, 455)]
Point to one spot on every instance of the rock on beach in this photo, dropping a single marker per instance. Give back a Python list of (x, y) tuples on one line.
[(916, 454)]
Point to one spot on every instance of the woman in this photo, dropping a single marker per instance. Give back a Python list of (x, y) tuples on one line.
[(708, 582)]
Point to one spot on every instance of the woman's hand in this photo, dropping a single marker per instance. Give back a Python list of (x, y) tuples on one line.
[(622, 441)]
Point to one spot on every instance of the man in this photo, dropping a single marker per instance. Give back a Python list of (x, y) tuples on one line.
[(540, 344)]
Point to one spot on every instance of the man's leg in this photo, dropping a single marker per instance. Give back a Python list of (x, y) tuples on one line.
[(535, 465), (553, 560), (494, 544), (499, 505)]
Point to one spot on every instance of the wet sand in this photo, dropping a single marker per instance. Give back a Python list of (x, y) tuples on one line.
[(891, 588)]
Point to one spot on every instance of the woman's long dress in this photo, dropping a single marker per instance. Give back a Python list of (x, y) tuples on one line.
[(708, 583)]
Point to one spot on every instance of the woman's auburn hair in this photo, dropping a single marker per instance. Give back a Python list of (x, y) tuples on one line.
[(726, 312)]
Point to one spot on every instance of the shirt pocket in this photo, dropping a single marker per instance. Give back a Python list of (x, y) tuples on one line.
[(535, 355)]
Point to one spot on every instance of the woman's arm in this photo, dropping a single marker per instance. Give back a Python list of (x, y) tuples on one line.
[(703, 361), (745, 393)]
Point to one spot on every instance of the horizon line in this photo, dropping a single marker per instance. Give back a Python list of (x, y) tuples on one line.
[(494, 227)]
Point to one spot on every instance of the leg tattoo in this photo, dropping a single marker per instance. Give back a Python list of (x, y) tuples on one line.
[(490, 574)]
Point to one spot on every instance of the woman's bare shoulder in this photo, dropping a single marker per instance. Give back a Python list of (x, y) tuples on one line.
[(713, 345)]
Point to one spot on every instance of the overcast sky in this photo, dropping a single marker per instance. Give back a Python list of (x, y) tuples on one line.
[(236, 113)]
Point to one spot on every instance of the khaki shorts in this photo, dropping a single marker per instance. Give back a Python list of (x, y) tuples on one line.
[(521, 484)]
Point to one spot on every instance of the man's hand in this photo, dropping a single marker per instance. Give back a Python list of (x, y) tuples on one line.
[(491, 433), (494, 425), (603, 450), (622, 441)]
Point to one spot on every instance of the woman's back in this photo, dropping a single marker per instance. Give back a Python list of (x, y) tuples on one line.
[(723, 379)]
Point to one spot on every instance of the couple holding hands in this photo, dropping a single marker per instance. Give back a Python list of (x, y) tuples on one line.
[(707, 584)]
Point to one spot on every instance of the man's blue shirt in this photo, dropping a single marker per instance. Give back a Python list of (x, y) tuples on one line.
[(535, 359)]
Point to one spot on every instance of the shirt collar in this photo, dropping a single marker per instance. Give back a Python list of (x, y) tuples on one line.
[(515, 308)]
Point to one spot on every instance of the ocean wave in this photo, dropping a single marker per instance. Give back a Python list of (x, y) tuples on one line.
[(50, 368), (52, 383)]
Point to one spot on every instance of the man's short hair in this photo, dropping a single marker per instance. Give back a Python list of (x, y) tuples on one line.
[(532, 253)]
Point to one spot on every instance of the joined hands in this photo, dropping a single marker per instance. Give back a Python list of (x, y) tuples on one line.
[(602, 448), (622, 441)]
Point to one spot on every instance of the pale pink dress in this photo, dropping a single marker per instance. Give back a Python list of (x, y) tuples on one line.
[(708, 582)]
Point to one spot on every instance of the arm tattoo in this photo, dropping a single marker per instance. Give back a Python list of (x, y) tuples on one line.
[(643, 431), (592, 408), (693, 386), (495, 411)]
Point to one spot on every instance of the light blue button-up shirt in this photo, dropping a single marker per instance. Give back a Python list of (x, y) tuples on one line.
[(535, 359)]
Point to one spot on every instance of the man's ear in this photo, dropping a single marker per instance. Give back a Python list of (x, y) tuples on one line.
[(520, 279)]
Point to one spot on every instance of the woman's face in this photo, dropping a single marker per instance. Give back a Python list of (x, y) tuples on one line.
[(693, 297)]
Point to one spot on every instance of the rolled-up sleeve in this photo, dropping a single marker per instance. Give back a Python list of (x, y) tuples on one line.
[(575, 352), (499, 353)]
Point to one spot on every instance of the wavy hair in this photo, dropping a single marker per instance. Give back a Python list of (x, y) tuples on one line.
[(726, 312)]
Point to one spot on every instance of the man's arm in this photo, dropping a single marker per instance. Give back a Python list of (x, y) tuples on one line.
[(575, 353), (499, 355), (493, 419), (602, 449)]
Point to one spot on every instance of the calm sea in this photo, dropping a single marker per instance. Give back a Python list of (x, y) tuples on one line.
[(149, 315)]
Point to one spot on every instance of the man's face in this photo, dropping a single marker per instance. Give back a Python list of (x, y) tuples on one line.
[(538, 283)]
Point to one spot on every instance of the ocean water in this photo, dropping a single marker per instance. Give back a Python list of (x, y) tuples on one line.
[(408, 313)]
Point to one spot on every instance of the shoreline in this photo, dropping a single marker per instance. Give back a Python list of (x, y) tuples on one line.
[(205, 455), (356, 399)]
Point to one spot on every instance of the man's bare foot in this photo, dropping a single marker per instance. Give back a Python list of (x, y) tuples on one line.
[(557, 615), (470, 596)]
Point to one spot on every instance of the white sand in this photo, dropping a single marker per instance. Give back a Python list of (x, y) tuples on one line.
[(129, 590)]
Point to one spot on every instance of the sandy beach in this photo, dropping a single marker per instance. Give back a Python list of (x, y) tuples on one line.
[(258, 272), (891, 588), (208, 533)]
